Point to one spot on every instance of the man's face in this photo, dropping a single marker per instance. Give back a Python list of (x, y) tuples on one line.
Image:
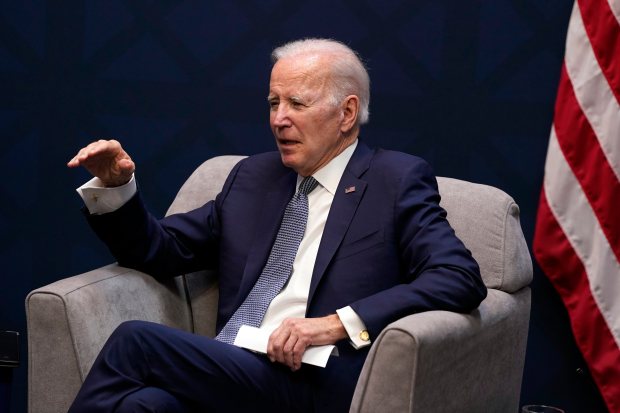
[(305, 123)]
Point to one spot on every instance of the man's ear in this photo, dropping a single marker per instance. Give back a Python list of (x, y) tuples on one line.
[(350, 112)]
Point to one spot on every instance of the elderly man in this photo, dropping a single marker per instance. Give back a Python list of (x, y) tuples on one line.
[(323, 242)]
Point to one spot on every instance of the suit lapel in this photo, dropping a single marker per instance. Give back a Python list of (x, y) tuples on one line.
[(343, 209), (274, 204)]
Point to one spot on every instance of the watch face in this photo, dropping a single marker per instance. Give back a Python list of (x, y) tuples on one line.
[(9, 348)]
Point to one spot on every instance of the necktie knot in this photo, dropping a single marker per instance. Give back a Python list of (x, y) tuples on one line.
[(307, 185)]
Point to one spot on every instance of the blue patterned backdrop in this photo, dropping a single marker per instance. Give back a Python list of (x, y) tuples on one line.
[(468, 85)]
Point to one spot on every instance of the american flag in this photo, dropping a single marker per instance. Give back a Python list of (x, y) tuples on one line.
[(577, 237)]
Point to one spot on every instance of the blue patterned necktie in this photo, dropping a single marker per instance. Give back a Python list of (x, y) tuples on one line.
[(279, 265)]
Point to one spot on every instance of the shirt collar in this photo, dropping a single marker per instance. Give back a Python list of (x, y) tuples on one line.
[(329, 175)]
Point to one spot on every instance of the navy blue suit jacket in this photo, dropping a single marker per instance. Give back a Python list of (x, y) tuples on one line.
[(387, 249)]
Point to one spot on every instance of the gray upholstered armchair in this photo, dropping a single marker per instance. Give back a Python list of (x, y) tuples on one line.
[(429, 362)]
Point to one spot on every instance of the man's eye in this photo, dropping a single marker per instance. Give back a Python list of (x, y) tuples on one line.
[(273, 104)]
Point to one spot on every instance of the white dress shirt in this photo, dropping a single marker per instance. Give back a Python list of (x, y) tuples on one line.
[(292, 301)]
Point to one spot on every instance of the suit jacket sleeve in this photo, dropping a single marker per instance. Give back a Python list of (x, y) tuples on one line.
[(437, 271), (177, 244)]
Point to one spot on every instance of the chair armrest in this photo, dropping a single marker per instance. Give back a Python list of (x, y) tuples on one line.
[(70, 320), (440, 361)]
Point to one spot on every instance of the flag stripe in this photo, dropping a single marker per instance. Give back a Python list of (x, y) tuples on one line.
[(592, 91), (567, 201), (589, 164), (557, 258), (604, 33), (577, 236)]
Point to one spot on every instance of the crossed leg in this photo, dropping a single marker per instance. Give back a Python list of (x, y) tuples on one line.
[(147, 367)]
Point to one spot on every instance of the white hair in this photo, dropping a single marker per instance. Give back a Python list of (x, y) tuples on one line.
[(349, 76)]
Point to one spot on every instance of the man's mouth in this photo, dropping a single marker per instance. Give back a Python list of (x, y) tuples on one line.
[(287, 142)]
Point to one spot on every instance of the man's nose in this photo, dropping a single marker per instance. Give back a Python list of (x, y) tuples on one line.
[(280, 116)]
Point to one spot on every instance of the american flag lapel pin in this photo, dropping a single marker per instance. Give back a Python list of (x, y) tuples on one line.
[(349, 189)]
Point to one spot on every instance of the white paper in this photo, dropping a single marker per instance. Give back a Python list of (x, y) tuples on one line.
[(256, 339)]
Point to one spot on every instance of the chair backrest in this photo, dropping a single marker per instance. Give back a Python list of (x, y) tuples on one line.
[(201, 287), (204, 184), (485, 218)]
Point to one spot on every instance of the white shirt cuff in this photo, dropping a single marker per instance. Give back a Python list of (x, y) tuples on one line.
[(355, 327), (101, 200)]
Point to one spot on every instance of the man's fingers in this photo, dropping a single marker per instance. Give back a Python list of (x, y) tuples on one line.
[(106, 160), (289, 342), (102, 148), (280, 346), (85, 153), (73, 163), (298, 352), (126, 166), (287, 350), (294, 351), (274, 346)]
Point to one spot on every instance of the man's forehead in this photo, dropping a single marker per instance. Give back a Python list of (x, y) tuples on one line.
[(305, 70)]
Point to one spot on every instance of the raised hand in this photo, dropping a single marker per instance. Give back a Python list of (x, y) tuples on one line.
[(106, 160)]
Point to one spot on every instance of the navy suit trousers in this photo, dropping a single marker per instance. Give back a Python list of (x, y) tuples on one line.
[(141, 359)]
